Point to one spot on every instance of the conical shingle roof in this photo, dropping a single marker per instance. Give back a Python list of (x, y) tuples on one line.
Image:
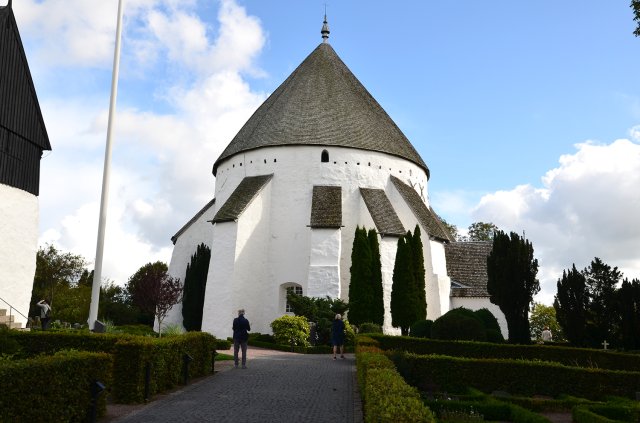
[(322, 103)]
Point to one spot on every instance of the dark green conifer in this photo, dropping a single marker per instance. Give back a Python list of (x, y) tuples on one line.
[(418, 265), (195, 283), (377, 303), (360, 295), (403, 297)]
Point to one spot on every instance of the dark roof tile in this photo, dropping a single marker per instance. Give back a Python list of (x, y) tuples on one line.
[(467, 265), (326, 207), (239, 200), (322, 103), (426, 216), (382, 212)]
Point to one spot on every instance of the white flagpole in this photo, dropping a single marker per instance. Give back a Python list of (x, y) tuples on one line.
[(104, 199)]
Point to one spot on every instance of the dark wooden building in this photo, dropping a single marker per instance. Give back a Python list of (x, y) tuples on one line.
[(23, 136)]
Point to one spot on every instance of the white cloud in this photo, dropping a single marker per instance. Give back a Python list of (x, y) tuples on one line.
[(588, 207), (161, 162)]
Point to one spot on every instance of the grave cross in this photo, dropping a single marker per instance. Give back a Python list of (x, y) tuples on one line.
[(605, 344)]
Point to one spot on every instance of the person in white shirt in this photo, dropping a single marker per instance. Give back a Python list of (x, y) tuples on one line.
[(546, 335), (45, 313)]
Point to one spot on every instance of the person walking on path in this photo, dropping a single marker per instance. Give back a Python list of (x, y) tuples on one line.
[(337, 336), (240, 337), (45, 313)]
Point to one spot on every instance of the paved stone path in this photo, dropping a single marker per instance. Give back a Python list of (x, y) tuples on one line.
[(276, 387)]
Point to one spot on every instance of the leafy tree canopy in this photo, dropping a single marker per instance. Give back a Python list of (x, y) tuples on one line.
[(542, 316), (482, 231)]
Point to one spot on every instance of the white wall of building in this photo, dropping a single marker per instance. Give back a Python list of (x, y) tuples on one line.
[(476, 303), (273, 246), (18, 248), (324, 263)]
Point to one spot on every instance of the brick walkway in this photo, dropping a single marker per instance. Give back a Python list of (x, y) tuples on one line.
[(276, 387)]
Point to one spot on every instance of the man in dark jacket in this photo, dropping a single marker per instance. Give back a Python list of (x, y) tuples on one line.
[(240, 337)]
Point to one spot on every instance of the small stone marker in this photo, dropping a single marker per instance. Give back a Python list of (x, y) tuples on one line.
[(605, 344)]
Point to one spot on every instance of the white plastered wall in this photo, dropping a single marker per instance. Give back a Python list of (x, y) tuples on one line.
[(18, 249), (324, 263), (476, 303), (286, 239)]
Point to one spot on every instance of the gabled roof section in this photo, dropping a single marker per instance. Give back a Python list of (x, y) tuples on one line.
[(326, 207), (426, 216), (467, 266), (382, 212), (192, 221), (19, 109), (241, 197), (322, 103)]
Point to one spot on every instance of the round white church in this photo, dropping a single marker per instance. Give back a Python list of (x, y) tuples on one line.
[(317, 158)]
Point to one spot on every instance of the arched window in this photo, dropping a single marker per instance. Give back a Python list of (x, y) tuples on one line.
[(286, 288), (324, 158)]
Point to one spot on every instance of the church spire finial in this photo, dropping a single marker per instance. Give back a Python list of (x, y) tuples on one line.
[(325, 27)]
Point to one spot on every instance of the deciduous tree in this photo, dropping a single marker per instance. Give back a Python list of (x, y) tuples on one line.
[(482, 231), (512, 282), (542, 316)]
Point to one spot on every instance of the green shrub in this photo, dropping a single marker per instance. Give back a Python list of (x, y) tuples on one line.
[(454, 374), (600, 413), (494, 336), (369, 328), (53, 388), (262, 337), (131, 355), (349, 334), (488, 319), (386, 396), (289, 330), (459, 324), (581, 357), (421, 329), (8, 345)]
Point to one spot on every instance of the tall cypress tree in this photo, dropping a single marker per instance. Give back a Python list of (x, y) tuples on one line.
[(629, 300), (418, 265), (195, 283), (360, 293), (604, 313), (571, 302), (377, 303), (403, 297), (512, 283)]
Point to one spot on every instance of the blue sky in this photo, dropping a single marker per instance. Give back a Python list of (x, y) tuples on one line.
[(527, 113)]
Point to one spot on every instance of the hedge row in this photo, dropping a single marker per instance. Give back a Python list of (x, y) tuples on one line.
[(385, 395), (580, 357), (455, 374), (54, 388), (605, 413), (131, 355), (489, 410), (301, 349)]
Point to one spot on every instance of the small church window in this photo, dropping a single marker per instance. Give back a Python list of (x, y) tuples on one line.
[(324, 157), (274, 160), (296, 290), (265, 161)]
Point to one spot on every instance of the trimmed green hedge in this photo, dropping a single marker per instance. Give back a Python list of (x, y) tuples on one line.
[(131, 356), (54, 388), (489, 409), (604, 413), (580, 357), (386, 397), (455, 374), (300, 349)]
